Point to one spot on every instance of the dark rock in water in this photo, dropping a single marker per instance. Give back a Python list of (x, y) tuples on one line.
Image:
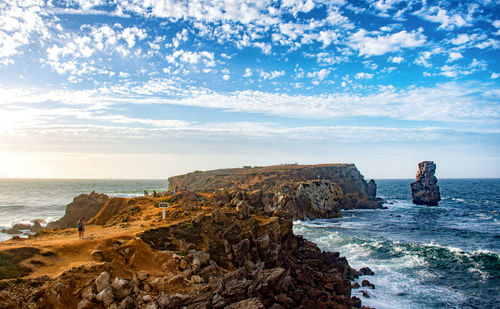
[(84, 205), (367, 283), (372, 189), (365, 271), (365, 294), (424, 191)]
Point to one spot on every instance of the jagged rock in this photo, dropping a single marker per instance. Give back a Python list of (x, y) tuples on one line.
[(127, 303), (365, 294), (365, 271), (250, 303), (368, 284), (424, 191), (218, 216), (88, 293), (142, 275), (274, 188), (102, 281), (84, 205), (151, 306), (236, 289), (121, 288), (105, 296), (85, 304), (372, 189), (171, 301)]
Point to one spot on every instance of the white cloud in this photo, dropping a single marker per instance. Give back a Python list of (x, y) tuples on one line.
[(363, 75), (190, 57), (396, 59), (461, 39), (494, 75), (226, 77), (439, 15), (265, 47), (21, 23), (248, 72), (371, 44), (454, 56), (320, 75), (272, 74)]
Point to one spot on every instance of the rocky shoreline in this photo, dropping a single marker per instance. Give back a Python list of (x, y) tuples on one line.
[(222, 249)]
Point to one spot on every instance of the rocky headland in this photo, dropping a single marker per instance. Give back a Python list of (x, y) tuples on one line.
[(219, 247), (425, 190), (295, 191)]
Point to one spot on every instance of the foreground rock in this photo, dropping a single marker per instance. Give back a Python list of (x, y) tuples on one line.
[(207, 254), (295, 191), (84, 205), (424, 191)]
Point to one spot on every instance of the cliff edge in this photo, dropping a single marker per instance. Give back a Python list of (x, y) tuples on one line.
[(205, 253), (296, 191)]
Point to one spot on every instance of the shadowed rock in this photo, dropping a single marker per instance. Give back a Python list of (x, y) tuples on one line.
[(424, 191)]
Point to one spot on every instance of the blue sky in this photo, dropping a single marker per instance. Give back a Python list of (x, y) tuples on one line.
[(149, 89)]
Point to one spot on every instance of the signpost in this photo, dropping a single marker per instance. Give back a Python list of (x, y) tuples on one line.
[(163, 206)]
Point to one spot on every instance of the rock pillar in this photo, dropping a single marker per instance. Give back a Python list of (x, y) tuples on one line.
[(424, 191)]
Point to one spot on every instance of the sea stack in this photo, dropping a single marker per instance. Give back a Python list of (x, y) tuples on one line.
[(424, 191)]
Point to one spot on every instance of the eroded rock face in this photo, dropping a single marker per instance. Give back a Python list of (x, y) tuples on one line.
[(84, 205), (296, 191), (425, 190)]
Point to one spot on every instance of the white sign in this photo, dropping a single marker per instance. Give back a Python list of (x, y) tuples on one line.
[(163, 206)]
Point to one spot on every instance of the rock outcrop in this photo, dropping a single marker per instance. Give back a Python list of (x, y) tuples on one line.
[(84, 205), (424, 191), (207, 253), (296, 191)]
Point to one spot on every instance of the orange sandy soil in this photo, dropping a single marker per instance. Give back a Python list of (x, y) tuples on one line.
[(70, 251)]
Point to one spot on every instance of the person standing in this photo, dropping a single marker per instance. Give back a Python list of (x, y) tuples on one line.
[(81, 227)]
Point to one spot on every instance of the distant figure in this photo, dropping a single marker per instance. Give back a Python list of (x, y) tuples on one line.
[(81, 227), (175, 190), (183, 188)]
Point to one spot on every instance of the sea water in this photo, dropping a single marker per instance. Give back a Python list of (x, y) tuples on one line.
[(22, 200), (423, 257)]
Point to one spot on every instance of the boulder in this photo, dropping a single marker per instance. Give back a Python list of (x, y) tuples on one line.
[(171, 301), (424, 190), (121, 287), (127, 303), (105, 296), (249, 303), (102, 281), (84, 205), (365, 271)]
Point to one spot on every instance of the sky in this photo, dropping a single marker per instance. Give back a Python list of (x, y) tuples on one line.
[(155, 88)]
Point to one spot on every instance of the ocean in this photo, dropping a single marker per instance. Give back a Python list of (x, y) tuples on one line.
[(423, 257)]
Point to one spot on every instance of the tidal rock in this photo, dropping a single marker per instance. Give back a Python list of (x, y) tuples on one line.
[(424, 191), (367, 283), (365, 271)]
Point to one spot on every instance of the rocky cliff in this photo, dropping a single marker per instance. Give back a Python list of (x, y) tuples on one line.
[(207, 253), (425, 190), (84, 205), (298, 191)]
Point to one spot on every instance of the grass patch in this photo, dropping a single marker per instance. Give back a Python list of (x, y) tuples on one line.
[(10, 259)]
